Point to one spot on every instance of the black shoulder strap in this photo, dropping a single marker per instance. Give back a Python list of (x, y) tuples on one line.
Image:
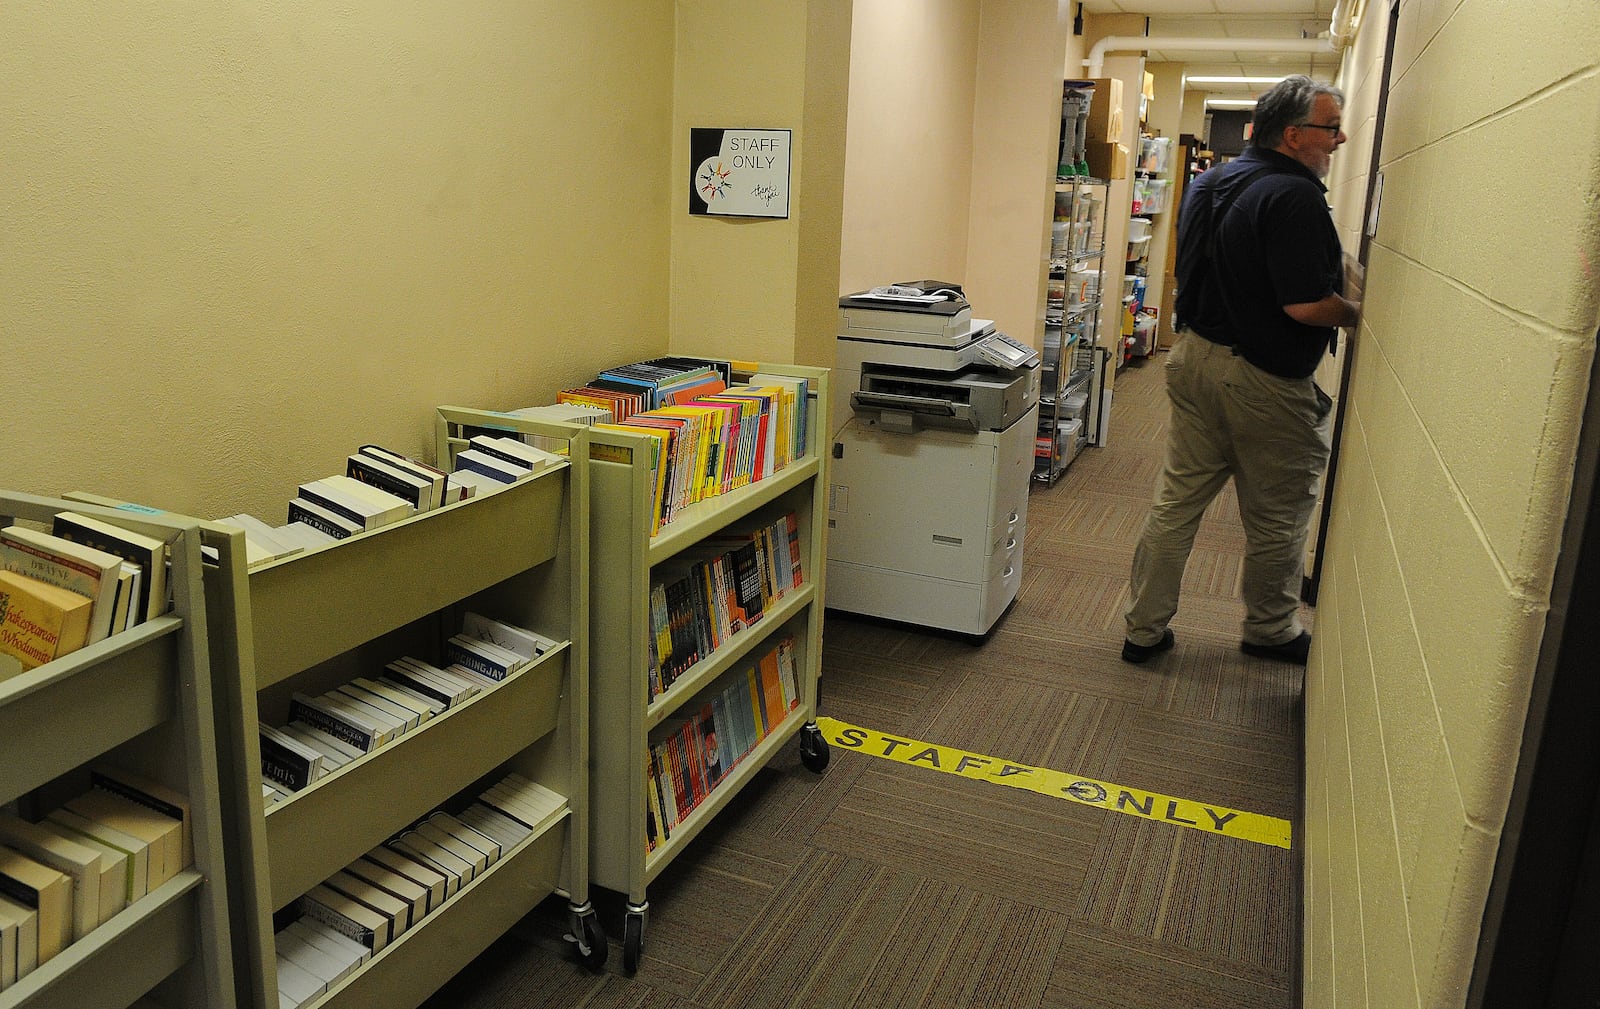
[(1200, 272)]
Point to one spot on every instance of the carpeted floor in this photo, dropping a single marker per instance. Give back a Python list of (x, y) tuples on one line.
[(884, 884)]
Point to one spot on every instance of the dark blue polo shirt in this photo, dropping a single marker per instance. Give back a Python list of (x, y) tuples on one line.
[(1276, 245)]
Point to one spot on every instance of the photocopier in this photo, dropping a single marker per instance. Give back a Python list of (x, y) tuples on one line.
[(935, 415)]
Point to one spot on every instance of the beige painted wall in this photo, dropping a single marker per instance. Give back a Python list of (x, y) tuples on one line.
[(908, 152), (1471, 372), (240, 241), (955, 112), (742, 286), (1017, 132)]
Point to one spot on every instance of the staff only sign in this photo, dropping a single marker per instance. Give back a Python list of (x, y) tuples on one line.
[(1142, 803), (739, 173)]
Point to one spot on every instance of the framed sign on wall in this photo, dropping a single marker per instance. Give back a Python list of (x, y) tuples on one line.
[(739, 173)]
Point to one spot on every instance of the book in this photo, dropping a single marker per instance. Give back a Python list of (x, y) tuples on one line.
[(328, 968), (476, 861), (296, 984), (79, 863), (333, 753), (482, 657), (40, 622), (437, 478), (316, 514), (305, 536), (423, 875), (335, 721), (336, 945), (152, 795), (455, 871), (42, 890), (73, 566), (366, 506), (262, 542), (114, 881), (136, 850), (162, 833), (415, 896), (9, 928), (22, 923), (514, 451), (526, 643), (286, 762), (414, 489), (148, 552), (469, 834), (347, 916), (491, 466), (387, 904)]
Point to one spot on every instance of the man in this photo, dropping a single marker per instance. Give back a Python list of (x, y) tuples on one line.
[(1261, 290)]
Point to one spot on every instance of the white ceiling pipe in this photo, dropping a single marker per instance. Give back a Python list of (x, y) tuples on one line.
[(1136, 43), (1342, 30)]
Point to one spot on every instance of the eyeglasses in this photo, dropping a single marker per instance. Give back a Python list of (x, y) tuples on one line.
[(1320, 126)]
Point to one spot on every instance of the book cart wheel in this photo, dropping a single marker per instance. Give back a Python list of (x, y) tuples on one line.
[(813, 747), (586, 935), (633, 935)]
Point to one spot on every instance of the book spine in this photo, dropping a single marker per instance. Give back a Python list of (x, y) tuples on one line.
[(412, 494), (283, 765), (312, 908), (317, 522), (305, 710), (458, 653), (327, 501)]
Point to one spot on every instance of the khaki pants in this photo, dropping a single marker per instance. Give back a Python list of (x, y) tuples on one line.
[(1271, 435)]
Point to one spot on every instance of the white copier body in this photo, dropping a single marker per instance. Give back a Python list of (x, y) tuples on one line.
[(928, 493)]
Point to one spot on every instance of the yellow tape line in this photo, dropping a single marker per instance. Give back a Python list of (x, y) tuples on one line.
[(1074, 788)]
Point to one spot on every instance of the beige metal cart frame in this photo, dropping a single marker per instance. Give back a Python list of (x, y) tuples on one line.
[(140, 699), (622, 715), (314, 619)]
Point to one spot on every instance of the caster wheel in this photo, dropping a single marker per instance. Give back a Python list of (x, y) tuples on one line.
[(813, 748), (632, 941), (593, 950)]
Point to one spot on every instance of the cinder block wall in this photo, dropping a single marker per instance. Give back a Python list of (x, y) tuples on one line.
[(1471, 371)]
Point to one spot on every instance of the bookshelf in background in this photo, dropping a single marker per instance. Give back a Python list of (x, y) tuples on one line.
[(138, 701), (318, 620), (632, 552)]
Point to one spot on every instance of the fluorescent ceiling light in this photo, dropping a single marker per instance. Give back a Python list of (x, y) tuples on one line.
[(1230, 103), (1233, 80)]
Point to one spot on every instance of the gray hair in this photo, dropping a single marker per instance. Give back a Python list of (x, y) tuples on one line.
[(1288, 103)]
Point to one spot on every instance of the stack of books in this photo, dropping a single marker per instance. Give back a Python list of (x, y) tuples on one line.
[(490, 461), (378, 487), (358, 911), (79, 583), (327, 731), (68, 874), (708, 437), (688, 757), (717, 589)]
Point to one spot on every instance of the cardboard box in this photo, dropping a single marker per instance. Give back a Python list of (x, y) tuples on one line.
[(1105, 111), (1107, 161), (1149, 90)]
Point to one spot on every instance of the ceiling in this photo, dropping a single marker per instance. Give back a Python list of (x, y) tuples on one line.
[(1252, 19)]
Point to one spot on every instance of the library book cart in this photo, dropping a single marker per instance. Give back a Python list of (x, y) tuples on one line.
[(627, 561), (139, 700), (310, 621)]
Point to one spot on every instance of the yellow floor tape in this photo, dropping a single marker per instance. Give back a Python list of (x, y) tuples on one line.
[(1074, 788)]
